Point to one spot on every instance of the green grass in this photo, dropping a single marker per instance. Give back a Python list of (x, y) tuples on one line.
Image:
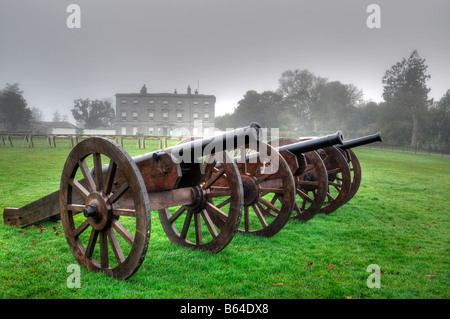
[(399, 220)]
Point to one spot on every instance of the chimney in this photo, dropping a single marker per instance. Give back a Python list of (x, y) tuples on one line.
[(144, 89), (189, 89)]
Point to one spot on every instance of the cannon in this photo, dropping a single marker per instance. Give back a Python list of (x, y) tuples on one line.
[(332, 179), (267, 203), (105, 199), (352, 159)]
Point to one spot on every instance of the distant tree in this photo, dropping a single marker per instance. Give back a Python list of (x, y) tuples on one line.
[(13, 108), (404, 88), (57, 116), (93, 113), (299, 91), (439, 120), (37, 114)]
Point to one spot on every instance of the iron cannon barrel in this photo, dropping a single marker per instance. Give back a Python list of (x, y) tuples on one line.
[(313, 144), (361, 141), (194, 150)]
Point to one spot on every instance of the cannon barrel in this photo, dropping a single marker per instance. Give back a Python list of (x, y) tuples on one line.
[(361, 141), (313, 144), (191, 152)]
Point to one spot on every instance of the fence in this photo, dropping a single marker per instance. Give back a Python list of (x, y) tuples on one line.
[(27, 139), (424, 149)]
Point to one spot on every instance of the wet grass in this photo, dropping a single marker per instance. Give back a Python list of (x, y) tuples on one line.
[(398, 220)]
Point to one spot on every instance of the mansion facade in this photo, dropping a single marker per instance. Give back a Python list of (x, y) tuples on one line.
[(165, 114)]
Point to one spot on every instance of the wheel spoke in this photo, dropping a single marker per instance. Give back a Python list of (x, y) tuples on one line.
[(177, 214), (124, 212), (186, 224), (118, 193), (217, 191), (75, 208), (122, 231), (258, 213), (216, 211), (209, 223), (79, 188), (228, 200), (77, 232), (198, 229), (104, 259), (98, 170), (110, 177), (246, 219), (87, 175), (91, 244), (214, 177), (269, 205), (115, 245), (304, 195)]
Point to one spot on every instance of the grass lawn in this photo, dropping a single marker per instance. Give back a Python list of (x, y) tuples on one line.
[(398, 220)]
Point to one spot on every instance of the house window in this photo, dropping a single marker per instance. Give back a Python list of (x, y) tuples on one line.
[(135, 101), (206, 117), (179, 102), (195, 131), (195, 116), (195, 103), (179, 116), (151, 131), (151, 102), (124, 116), (206, 131), (165, 102), (135, 130), (151, 116), (124, 101), (124, 130), (165, 116), (135, 116), (206, 103)]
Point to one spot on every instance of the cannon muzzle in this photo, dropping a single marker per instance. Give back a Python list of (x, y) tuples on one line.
[(313, 144), (361, 141)]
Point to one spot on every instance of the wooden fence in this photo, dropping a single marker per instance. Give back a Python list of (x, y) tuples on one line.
[(27, 139)]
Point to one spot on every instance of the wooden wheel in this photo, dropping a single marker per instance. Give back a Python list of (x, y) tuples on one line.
[(311, 183), (104, 237), (214, 225), (269, 190), (355, 171), (339, 179)]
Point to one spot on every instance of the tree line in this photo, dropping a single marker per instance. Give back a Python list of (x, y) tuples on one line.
[(17, 116), (305, 102)]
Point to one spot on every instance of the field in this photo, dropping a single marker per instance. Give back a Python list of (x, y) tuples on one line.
[(398, 220)]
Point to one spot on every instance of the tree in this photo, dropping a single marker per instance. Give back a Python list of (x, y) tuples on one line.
[(439, 121), (57, 116), (299, 91), (13, 108), (36, 114), (404, 88), (93, 113)]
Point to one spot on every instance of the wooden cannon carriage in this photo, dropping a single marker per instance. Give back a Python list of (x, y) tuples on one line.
[(105, 196), (330, 179)]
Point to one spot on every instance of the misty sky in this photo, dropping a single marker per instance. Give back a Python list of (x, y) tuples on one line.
[(224, 47)]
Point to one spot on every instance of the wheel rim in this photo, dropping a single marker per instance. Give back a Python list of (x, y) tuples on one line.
[(339, 179), (102, 235), (355, 171)]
